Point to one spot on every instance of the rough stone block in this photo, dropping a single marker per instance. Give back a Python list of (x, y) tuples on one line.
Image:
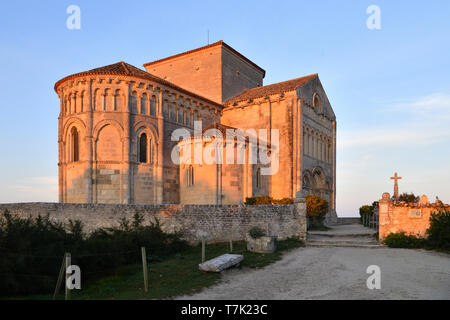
[(221, 263), (261, 245)]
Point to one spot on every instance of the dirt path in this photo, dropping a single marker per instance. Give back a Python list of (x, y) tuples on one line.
[(339, 273)]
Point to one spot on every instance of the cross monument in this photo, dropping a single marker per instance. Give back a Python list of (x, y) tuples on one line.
[(396, 178)]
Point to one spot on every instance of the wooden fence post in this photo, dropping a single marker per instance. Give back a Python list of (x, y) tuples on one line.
[(68, 263), (144, 268), (203, 250), (231, 241), (60, 277)]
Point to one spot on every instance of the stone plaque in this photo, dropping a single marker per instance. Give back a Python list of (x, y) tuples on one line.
[(415, 213)]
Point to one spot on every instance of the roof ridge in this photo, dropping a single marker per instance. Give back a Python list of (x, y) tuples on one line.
[(220, 42), (271, 89), (126, 69)]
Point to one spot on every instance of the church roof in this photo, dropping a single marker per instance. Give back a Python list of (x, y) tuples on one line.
[(125, 69), (221, 43), (270, 89)]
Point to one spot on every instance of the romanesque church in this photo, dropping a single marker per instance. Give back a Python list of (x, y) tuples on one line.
[(116, 124)]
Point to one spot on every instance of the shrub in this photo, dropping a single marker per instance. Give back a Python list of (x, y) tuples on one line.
[(316, 209), (283, 201), (32, 250), (267, 200), (250, 201), (401, 240), (408, 197), (439, 231), (256, 232), (366, 209)]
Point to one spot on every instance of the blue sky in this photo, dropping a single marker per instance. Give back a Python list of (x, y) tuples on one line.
[(390, 88)]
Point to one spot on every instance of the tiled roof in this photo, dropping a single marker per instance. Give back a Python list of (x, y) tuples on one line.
[(126, 69), (271, 89), (206, 47)]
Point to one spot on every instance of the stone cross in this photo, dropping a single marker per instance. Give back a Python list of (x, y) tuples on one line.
[(395, 178)]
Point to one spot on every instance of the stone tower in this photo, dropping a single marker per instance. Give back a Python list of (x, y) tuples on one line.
[(216, 71)]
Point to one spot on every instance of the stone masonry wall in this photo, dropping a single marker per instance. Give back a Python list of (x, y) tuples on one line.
[(397, 216), (215, 223)]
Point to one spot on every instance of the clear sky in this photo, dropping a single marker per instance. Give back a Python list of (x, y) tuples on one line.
[(390, 88)]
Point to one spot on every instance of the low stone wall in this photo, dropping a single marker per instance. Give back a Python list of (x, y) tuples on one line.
[(215, 223), (411, 218)]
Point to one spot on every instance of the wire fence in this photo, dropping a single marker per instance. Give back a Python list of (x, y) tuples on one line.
[(13, 275), (370, 220)]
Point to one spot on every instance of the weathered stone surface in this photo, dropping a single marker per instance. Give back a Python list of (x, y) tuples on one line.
[(220, 263), (262, 244), (411, 218), (108, 113), (194, 222)]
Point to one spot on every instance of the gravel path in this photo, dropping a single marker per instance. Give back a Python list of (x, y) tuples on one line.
[(339, 273)]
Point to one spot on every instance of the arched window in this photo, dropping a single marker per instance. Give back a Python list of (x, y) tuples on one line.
[(258, 178), (117, 100), (74, 145), (143, 148), (144, 104), (82, 101), (133, 102), (166, 110), (173, 113), (316, 101), (190, 176), (153, 106)]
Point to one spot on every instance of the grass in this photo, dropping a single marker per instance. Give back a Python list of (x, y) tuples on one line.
[(177, 275)]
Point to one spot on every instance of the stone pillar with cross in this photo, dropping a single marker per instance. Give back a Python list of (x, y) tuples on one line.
[(396, 178)]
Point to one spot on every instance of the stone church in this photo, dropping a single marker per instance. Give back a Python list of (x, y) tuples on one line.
[(116, 124)]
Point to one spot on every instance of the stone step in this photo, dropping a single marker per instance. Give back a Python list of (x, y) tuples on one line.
[(333, 235), (338, 238), (330, 244)]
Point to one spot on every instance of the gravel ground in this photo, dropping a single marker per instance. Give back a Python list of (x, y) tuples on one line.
[(339, 273)]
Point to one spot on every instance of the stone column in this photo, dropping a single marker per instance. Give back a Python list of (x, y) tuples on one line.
[(89, 148), (301, 143), (383, 214), (160, 161), (61, 149), (333, 206), (300, 214), (127, 147)]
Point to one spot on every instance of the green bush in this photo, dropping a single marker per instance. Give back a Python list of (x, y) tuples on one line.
[(366, 209), (401, 240), (32, 250), (408, 197), (256, 232), (439, 231), (316, 209), (283, 201)]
